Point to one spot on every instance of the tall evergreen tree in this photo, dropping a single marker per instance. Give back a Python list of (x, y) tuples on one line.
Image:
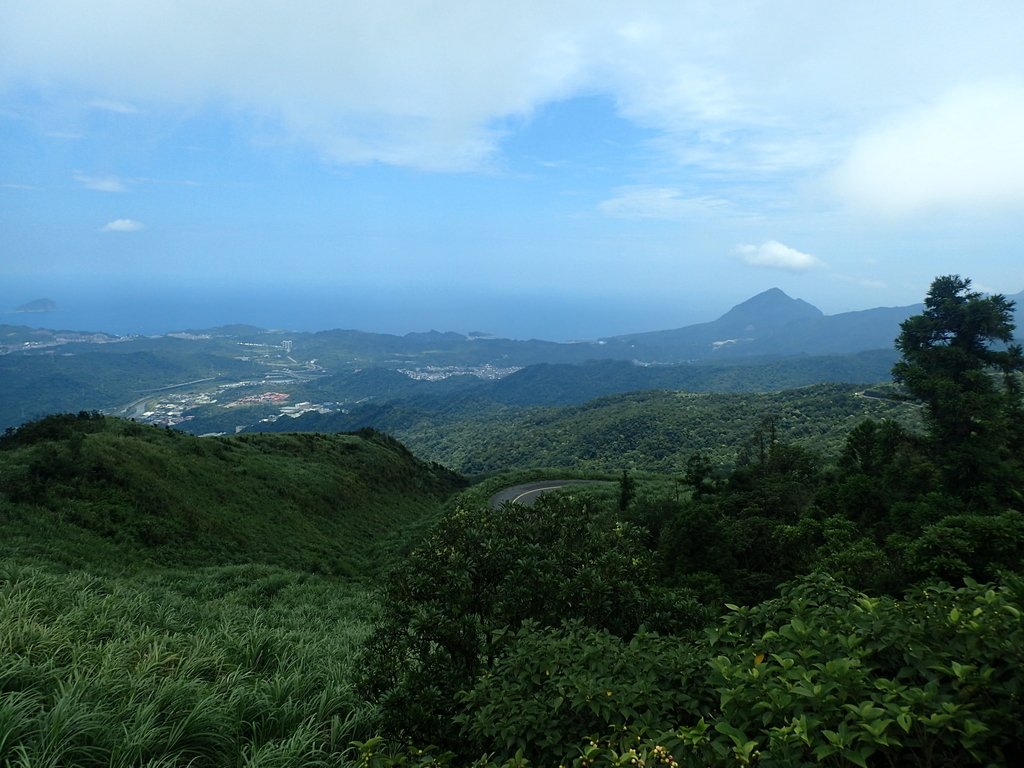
[(958, 360)]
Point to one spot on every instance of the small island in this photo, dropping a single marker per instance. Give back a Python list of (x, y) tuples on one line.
[(38, 305)]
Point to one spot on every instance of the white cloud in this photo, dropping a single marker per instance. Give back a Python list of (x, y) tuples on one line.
[(101, 183), (118, 107), (776, 255), (643, 202), (963, 151), (765, 86), (123, 225)]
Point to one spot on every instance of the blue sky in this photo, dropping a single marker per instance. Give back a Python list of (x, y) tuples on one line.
[(527, 168)]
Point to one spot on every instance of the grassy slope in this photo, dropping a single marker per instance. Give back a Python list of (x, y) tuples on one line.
[(232, 665), (171, 600), (102, 492)]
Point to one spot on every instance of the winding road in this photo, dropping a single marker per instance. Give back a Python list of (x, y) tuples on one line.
[(527, 493)]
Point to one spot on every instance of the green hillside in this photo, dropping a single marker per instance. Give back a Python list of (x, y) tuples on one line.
[(564, 384), (173, 600), (655, 431), (89, 490)]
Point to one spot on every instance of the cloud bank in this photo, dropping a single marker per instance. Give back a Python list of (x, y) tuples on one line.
[(403, 84), (964, 151)]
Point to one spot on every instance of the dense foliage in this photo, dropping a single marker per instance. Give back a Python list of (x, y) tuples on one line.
[(654, 431), (483, 570), (504, 639), (821, 674)]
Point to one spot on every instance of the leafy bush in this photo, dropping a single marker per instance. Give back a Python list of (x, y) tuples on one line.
[(484, 570), (821, 674), (549, 687)]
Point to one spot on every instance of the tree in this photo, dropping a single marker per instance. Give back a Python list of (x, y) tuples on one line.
[(627, 490), (958, 360), (483, 570), (699, 474)]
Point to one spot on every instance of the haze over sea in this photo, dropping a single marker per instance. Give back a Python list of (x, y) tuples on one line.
[(160, 307)]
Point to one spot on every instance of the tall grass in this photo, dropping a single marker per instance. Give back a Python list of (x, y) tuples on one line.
[(229, 666)]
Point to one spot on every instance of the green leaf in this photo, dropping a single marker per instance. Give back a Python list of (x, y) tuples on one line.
[(974, 727), (727, 729), (859, 757), (904, 720)]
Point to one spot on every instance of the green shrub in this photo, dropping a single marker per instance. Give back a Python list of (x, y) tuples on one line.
[(549, 688), (484, 570), (820, 675)]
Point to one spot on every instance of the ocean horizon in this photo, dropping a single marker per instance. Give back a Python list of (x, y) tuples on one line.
[(151, 310)]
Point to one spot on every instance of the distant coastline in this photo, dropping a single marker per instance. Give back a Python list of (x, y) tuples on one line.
[(124, 308)]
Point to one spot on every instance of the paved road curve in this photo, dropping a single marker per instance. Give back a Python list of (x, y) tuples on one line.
[(527, 493)]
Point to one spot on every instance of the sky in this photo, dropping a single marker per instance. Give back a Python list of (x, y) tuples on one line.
[(559, 170)]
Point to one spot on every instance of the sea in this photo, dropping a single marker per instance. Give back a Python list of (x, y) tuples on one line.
[(154, 309)]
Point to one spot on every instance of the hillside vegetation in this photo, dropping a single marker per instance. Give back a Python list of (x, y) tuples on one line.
[(788, 611), (79, 485), (309, 599), (654, 431), (171, 600)]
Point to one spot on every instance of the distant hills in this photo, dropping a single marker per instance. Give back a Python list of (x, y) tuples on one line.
[(38, 305), (766, 343), (770, 323), (648, 430)]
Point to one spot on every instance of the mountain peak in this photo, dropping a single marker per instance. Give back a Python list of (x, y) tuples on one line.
[(767, 310)]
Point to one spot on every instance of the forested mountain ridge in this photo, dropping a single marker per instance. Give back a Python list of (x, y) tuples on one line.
[(568, 384), (653, 430)]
